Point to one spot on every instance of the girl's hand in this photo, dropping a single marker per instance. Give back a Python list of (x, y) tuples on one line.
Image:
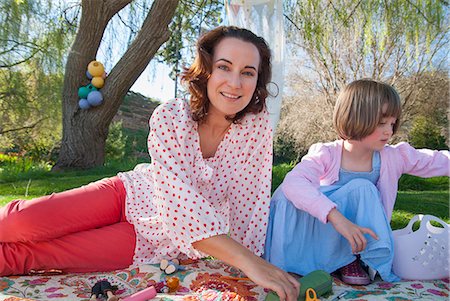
[(352, 232)]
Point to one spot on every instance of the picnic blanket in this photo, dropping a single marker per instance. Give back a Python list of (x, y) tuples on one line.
[(203, 280)]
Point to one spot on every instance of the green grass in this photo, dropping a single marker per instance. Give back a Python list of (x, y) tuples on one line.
[(279, 172), (416, 195), (410, 203), (32, 183)]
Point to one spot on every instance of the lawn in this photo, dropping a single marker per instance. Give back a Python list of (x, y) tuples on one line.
[(416, 195)]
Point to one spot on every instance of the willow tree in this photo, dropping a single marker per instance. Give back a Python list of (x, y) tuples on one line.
[(331, 43), (85, 131), (35, 35), (191, 18), (346, 39), (33, 40)]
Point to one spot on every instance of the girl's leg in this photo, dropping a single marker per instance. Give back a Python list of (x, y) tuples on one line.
[(103, 249), (92, 206), (359, 201), (292, 231)]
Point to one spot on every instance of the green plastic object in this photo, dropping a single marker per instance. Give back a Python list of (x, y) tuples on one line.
[(319, 280)]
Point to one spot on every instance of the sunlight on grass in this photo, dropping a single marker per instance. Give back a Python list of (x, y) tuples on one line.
[(46, 186), (428, 196)]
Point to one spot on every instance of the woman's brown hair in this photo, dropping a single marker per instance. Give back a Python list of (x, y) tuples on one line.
[(196, 76), (359, 108)]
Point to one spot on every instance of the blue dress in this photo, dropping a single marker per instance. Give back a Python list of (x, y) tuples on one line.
[(298, 242)]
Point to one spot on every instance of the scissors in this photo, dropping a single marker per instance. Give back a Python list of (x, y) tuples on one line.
[(311, 295)]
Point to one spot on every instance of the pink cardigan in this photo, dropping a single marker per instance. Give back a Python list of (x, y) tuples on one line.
[(320, 167)]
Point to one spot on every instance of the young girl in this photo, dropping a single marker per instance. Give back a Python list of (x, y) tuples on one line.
[(333, 209)]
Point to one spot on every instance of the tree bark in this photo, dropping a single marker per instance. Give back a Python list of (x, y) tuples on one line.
[(85, 131)]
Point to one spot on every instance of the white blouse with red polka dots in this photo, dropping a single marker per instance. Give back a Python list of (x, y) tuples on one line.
[(181, 198)]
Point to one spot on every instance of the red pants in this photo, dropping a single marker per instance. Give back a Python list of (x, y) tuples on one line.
[(80, 230)]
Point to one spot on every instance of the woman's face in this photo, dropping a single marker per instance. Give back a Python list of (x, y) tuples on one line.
[(233, 78)]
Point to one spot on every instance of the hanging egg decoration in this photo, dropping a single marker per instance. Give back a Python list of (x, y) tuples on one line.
[(89, 95)]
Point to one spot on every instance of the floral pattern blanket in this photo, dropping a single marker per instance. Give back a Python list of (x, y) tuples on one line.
[(205, 280)]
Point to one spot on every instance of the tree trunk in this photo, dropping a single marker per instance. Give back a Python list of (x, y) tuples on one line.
[(85, 131)]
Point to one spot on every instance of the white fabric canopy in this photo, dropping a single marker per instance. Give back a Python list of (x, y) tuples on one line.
[(264, 18)]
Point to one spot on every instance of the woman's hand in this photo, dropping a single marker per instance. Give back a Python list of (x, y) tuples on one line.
[(352, 232), (257, 269), (269, 276)]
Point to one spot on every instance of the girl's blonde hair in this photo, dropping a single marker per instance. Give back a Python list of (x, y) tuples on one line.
[(359, 108)]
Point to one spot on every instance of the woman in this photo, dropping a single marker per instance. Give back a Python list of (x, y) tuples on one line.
[(206, 191)]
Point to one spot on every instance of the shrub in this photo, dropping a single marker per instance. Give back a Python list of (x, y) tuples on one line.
[(13, 167), (426, 134), (284, 149), (304, 121), (115, 143), (136, 144)]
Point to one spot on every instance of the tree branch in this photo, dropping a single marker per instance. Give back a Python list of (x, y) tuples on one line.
[(23, 127)]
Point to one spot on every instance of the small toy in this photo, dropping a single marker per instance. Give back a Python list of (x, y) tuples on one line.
[(168, 285), (340, 296), (95, 68), (83, 104), (172, 283), (83, 92), (104, 288), (95, 98), (145, 294), (311, 295), (98, 82), (171, 266), (161, 287), (318, 280)]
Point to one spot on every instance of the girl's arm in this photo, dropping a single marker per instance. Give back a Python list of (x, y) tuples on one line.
[(257, 269), (352, 232), (301, 185), (423, 162)]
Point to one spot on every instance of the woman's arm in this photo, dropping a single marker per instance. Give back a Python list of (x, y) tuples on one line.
[(257, 269)]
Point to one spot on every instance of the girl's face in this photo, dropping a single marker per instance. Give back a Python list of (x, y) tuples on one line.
[(383, 132), (233, 78)]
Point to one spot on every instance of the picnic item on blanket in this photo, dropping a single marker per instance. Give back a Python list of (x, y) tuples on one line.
[(170, 266), (145, 294), (311, 295), (172, 283), (340, 296), (318, 280), (422, 254), (104, 288), (168, 285)]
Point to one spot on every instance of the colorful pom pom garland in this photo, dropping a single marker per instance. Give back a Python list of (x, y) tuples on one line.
[(89, 95)]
